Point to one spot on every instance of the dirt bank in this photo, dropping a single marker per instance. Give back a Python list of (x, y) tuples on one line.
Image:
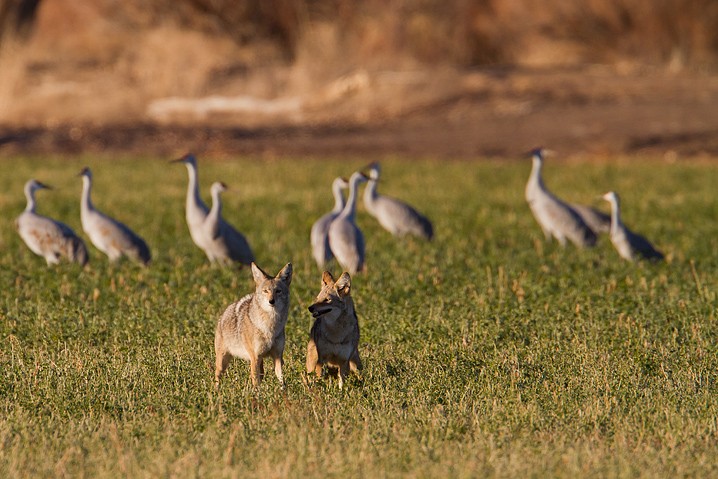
[(497, 113)]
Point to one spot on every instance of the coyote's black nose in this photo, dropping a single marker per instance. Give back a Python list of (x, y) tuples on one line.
[(271, 301)]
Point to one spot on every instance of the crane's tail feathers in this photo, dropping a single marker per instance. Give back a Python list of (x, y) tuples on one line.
[(425, 228), (141, 252), (590, 238), (428, 229), (78, 251), (653, 255)]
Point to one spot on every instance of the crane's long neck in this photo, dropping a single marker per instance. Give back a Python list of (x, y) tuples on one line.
[(86, 202), (216, 209), (338, 198), (535, 178), (193, 198), (351, 207), (30, 196), (615, 216), (370, 193)]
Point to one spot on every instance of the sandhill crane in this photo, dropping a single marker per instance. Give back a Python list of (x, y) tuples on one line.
[(230, 245), (223, 243), (107, 234), (555, 217), (319, 236), (195, 209), (46, 237), (629, 245), (397, 217), (345, 238)]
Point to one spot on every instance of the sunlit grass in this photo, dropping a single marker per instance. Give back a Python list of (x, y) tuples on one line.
[(488, 352)]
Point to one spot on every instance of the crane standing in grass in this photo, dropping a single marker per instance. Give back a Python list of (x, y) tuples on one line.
[(630, 245), (195, 209), (107, 234), (319, 236), (555, 217), (397, 217), (345, 238), (223, 243), (46, 237)]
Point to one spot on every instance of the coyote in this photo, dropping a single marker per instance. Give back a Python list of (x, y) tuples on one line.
[(334, 337), (253, 327)]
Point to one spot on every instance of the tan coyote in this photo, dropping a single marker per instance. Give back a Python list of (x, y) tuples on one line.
[(334, 337), (253, 327)]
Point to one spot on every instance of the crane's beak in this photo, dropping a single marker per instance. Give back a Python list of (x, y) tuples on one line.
[(44, 186)]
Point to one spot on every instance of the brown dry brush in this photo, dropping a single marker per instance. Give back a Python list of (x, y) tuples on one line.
[(459, 32), (16, 17)]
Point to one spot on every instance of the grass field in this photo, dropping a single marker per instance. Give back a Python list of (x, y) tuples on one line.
[(488, 352)]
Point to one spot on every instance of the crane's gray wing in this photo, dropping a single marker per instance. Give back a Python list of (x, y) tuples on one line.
[(238, 248), (597, 220), (216, 228), (78, 250), (404, 217), (74, 246), (569, 223), (347, 244), (126, 240), (319, 239)]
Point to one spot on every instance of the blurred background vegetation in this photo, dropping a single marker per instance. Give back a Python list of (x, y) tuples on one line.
[(459, 32), (310, 61)]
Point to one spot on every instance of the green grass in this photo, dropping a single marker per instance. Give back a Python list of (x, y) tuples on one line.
[(488, 353)]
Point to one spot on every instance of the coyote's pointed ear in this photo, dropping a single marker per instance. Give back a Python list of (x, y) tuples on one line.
[(285, 275), (327, 278), (343, 284), (258, 274)]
